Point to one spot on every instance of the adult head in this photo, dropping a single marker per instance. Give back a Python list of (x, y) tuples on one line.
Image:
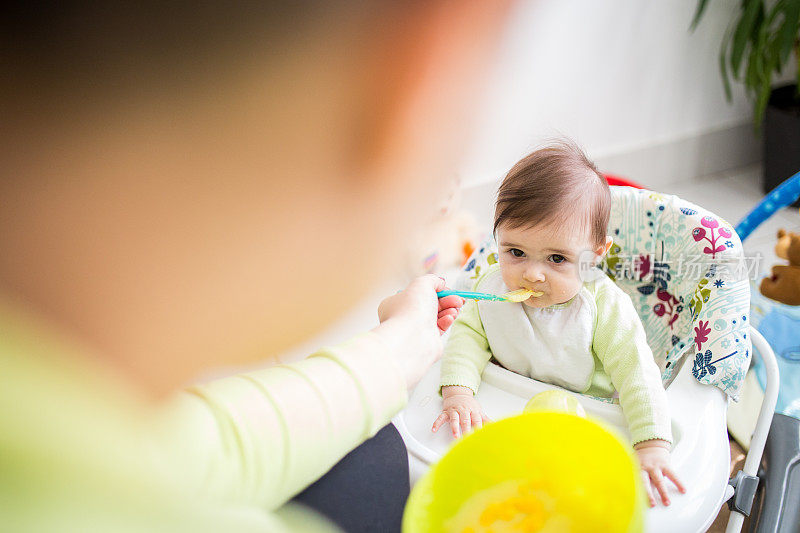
[(185, 186)]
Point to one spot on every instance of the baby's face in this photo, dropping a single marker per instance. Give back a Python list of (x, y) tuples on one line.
[(544, 258)]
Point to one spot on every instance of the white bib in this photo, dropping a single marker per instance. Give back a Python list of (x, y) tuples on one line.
[(553, 344)]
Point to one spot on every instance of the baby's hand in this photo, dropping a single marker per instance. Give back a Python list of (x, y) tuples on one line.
[(654, 459), (462, 409)]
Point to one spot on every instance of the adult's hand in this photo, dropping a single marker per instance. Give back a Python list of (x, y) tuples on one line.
[(412, 322)]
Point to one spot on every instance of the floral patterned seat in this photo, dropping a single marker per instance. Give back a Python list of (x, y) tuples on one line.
[(685, 271)]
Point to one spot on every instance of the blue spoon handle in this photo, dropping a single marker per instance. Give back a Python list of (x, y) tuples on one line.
[(471, 295)]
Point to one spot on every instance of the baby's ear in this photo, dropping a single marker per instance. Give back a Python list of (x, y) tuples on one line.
[(603, 248)]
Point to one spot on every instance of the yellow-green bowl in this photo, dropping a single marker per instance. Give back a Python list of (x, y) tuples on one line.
[(555, 400), (540, 471)]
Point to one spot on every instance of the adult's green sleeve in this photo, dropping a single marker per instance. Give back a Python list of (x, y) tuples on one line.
[(260, 437)]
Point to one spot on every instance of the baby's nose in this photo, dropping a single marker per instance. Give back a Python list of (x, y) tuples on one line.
[(534, 274)]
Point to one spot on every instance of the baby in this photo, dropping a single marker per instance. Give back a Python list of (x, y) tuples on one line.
[(552, 211)]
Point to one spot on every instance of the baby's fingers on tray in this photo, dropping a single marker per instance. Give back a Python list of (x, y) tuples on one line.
[(454, 423), (477, 420), (674, 478), (651, 501), (466, 421), (441, 419), (658, 481)]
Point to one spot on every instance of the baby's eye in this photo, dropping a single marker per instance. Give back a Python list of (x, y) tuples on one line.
[(516, 252), (557, 258)]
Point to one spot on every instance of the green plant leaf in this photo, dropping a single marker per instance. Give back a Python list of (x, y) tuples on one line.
[(723, 65), (773, 55), (797, 67), (772, 48), (787, 31), (760, 56), (752, 76), (761, 102), (701, 7), (757, 80), (744, 32), (772, 62), (762, 36)]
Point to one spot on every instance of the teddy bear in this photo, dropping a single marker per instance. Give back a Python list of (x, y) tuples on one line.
[(784, 283)]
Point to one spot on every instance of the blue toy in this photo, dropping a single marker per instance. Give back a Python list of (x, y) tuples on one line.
[(784, 194)]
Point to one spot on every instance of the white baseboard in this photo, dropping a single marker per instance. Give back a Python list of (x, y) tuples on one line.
[(686, 158)]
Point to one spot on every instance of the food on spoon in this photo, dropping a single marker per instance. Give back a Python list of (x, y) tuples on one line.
[(520, 295)]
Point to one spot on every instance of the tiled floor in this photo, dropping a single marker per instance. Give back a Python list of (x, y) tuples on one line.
[(732, 195)]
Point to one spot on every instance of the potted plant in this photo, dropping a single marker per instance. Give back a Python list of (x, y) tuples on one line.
[(759, 43)]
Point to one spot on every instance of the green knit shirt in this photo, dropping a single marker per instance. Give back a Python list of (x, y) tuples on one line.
[(594, 344)]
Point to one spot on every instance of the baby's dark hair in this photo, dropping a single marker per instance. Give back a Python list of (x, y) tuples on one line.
[(552, 184)]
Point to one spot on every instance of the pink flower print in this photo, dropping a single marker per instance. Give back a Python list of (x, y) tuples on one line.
[(700, 234), (709, 222), (663, 295), (642, 266), (701, 332), (670, 307)]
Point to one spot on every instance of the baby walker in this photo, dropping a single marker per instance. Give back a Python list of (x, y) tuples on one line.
[(685, 271)]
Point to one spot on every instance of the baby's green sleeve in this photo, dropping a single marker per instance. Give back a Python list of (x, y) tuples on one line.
[(621, 345), (467, 350)]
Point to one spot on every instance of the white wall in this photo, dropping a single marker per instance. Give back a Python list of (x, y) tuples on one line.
[(622, 77)]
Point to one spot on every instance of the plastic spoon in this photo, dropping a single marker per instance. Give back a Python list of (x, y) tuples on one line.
[(516, 296)]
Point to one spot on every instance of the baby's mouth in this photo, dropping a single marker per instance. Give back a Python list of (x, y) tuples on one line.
[(520, 295), (536, 294)]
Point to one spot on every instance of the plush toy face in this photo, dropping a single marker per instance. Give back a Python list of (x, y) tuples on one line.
[(788, 247), (784, 283)]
